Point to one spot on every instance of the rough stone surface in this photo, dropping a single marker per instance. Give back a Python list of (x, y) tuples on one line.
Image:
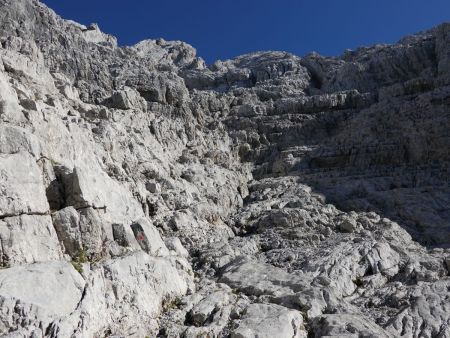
[(28, 239), (22, 188), (143, 193), (266, 321), (34, 295), (67, 225)]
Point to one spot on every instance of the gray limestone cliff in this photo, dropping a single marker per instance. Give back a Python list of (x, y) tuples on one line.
[(146, 194)]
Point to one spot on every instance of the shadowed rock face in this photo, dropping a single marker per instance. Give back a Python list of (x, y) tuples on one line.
[(144, 193)]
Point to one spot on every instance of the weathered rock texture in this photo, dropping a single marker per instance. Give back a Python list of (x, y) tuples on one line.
[(143, 193)]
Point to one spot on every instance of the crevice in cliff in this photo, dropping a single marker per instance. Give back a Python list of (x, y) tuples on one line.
[(3, 216)]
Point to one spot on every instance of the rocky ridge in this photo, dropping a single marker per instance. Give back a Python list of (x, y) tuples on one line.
[(144, 193)]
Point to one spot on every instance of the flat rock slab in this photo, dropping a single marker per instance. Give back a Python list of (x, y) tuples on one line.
[(28, 239), (268, 321), (21, 186), (91, 187), (122, 292), (15, 139), (54, 287), (258, 279), (144, 279)]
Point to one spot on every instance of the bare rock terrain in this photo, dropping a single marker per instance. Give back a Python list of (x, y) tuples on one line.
[(144, 193)]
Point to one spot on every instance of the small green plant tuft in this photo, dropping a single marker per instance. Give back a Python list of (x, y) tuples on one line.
[(82, 256), (77, 266), (174, 304), (79, 261)]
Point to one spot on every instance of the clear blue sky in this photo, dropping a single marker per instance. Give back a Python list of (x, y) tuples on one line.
[(222, 29)]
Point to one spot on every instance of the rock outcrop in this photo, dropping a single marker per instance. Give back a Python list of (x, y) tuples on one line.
[(144, 193)]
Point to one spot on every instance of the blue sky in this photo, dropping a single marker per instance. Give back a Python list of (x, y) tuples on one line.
[(224, 29)]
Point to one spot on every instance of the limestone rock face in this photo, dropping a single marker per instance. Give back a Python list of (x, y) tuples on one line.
[(143, 193), (28, 239), (15, 139), (22, 187), (67, 225), (9, 102)]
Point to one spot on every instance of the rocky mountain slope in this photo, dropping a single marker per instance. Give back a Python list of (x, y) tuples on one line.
[(145, 194)]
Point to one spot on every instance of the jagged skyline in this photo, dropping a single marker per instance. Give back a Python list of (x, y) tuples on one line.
[(219, 30)]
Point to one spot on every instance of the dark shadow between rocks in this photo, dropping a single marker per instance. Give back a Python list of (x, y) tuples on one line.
[(421, 206)]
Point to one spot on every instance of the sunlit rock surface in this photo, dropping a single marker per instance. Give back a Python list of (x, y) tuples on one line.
[(144, 193)]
